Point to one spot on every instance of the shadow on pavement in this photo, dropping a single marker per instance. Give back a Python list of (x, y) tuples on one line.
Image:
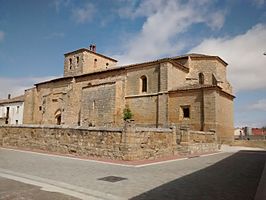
[(233, 178), (15, 190)]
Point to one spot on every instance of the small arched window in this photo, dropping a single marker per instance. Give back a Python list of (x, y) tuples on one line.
[(143, 83), (58, 117), (201, 78), (58, 120)]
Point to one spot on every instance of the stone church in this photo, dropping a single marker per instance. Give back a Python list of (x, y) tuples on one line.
[(190, 90)]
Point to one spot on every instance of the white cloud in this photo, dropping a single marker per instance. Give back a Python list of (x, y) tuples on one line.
[(2, 35), (84, 14), (259, 3), (16, 86), (259, 105), (244, 53), (165, 20), (58, 4)]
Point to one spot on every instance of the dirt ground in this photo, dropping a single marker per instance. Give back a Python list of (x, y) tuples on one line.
[(250, 143)]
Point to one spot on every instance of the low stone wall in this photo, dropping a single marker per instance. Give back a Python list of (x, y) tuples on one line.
[(128, 143), (194, 142), (96, 142), (154, 142), (198, 148), (202, 142)]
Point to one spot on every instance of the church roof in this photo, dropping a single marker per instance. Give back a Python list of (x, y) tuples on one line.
[(172, 60), (176, 64), (12, 100), (197, 87), (200, 56)]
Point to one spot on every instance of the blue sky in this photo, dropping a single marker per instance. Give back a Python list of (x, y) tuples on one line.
[(34, 35)]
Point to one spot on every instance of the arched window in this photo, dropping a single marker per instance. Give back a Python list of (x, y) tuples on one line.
[(58, 116), (143, 83), (201, 78), (58, 120)]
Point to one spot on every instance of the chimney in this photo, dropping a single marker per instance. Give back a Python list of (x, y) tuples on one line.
[(93, 47), (9, 96)]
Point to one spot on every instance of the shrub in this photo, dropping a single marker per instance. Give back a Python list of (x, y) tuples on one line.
[(127, 113)]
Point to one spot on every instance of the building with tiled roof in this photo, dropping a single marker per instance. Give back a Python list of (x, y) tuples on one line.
[(11, 110)]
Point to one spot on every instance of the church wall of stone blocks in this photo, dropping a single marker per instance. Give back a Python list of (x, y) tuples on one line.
[(190, 90)]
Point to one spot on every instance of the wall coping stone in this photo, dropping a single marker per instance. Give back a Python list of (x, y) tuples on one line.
[(166, 130), (108, 129), (202, 132)]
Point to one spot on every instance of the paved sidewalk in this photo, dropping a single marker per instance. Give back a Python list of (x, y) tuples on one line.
[(15, 190), (227, 175)]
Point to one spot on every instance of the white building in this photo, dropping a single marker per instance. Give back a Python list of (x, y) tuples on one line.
[(11, 110)]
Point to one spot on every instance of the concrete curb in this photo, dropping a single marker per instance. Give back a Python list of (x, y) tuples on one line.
[(261, 190)]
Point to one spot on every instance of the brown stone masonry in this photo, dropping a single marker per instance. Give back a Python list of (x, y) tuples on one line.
[(127, 143), (112, 143)]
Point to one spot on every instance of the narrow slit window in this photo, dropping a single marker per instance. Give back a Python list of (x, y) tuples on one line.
[(93, 105), (70, 63), (77, 60), (214, 80), (144, 84), (201, 78)]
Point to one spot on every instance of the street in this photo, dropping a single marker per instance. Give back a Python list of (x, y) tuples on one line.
[(10, 189), (227, 175)]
